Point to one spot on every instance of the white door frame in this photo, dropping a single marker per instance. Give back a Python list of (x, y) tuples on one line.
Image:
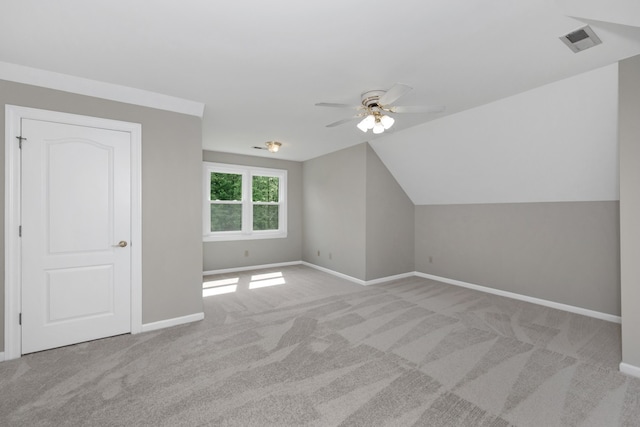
[(12, 257)]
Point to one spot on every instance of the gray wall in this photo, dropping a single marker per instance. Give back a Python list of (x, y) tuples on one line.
[(171, 196), (565, 252), (356, 215), (390, 222), (629, 133), (223, 255), (334, 211)]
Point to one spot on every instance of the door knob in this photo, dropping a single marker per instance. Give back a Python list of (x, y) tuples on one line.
[(122, 244)]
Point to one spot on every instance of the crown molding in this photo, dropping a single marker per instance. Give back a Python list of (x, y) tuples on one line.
[(113, 92)]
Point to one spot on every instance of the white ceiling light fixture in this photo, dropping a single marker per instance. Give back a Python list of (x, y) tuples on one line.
[(273, 146), (378, 128), (367, 123), (374, 105), (387, 121), (376, 121)]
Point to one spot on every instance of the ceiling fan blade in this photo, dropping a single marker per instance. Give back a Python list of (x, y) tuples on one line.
[(334, 105), (417, 109), (394, 93), (343, 121)]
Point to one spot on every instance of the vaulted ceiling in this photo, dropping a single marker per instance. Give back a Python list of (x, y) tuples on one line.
[(260, 66)]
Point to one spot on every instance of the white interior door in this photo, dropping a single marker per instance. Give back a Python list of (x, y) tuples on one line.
[(76, 221)]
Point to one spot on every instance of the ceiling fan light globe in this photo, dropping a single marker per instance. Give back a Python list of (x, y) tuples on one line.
[(378, 128), (363, 126), (370, 121), (387, 121)]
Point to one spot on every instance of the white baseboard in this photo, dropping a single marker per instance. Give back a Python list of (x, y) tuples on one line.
[(389, 278), (250, 267), (1, 356), (153, 326), (546, 303), (359, 281), (334, 273), (634, 371)]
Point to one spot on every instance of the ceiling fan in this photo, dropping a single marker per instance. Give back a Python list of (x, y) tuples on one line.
[(374, 106)]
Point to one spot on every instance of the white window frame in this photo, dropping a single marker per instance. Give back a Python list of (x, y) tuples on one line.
[(247, 232)]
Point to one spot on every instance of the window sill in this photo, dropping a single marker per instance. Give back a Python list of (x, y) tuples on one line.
[(226, 237)]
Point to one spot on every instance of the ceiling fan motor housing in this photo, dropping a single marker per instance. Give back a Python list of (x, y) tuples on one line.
[(370, 98)]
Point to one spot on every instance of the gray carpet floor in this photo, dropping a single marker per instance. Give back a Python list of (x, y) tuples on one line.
[(299, 347)]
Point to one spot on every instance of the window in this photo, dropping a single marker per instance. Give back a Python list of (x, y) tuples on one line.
[(243, 202)]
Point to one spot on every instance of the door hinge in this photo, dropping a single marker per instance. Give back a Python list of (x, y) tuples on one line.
[(20, 139), (20, 231), (20, 319)]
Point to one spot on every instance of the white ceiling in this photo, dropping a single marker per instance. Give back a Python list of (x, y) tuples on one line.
[(259, 67)]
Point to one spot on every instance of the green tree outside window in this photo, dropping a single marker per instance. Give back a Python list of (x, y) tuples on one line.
[(265, 192), (226, 202)]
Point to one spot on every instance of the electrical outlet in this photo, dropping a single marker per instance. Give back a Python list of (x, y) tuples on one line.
[(330, 255), (318, 252), (430, 260), (246, 253)]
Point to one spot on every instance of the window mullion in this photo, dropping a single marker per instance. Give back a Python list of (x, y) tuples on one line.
[(247, 205), (281, 196)]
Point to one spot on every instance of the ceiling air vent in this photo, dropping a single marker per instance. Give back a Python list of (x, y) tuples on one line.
[(581, 39)]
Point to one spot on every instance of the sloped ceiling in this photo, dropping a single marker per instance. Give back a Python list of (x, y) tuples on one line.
[(259, 66), (550, 144), (624, 12)]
